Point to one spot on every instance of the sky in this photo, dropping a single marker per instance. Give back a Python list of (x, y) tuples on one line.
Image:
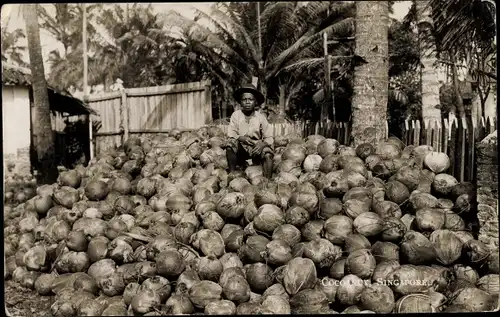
[(12, 19)]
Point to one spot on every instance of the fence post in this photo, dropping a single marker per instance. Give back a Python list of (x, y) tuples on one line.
[(445, 135), (417, 133), (91, 130), (462, 137), (124, 116), (208, 102), (453, 147)]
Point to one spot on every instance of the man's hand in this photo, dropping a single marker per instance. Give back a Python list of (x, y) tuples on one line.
[(259, 147), (245, 139)]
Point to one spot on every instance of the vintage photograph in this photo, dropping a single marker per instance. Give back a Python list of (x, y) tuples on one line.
[(248, 158)]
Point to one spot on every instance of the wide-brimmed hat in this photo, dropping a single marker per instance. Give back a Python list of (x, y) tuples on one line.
[(249, 88)]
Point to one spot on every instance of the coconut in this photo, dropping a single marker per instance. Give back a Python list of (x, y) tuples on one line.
[(490, 284), (385, 251), (393, 230), (259, 276), (221, 307), (448, 247), (430, 219), (337, 228), (350, 289), (276, 304), (179, 304), (386, 209), (278, 252), (288, 233), (383, 269), (158, 284), (354, 207), (361, 263), (236, 289), (377, 298), (269, 217), (253, 249), (204, 292), (209, 268), (493, 263), (299, 274), (170, 263), (355, 241), (414, 303), (476, 251), (297, 216), (368, 224), (467, 273), (417, 249), (337, 270), (322, 252), (475, 299), (419, 200), (313, 230), (453, 221), (312, 162), (232, 205), (397, 192)]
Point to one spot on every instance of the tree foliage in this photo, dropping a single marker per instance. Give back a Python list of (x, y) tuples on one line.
[(12, 51), (144, 48)]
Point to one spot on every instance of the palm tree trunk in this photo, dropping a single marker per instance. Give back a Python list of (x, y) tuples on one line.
[(477, 109), (44, 136), (225, 101), (428, 73), (490, 104), (282, 102), (456, 86), (371, 79)]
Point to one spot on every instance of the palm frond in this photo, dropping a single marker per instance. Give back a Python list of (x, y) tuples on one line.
[(239, 29), (398, 95), (304, 64), (311, 38)]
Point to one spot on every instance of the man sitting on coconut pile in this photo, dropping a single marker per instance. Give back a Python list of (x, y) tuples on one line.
[(250, 134)]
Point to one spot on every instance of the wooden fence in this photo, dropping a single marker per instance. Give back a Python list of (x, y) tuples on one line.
[(335, 130), (340, 131), (150, 110), (455, 138)]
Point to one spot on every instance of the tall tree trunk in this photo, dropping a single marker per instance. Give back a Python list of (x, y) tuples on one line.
[(44, 136), (225, 101), (456, 86), (490, 105), (477, 109), (282, 104), (428, 73), (371, 79)]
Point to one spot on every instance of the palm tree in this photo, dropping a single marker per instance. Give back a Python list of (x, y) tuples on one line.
[(43, 135), (369, 101), (290, 34), (11, 49), (66, 25), (464, 29), (136, 49), (66, 68), (428, 73)]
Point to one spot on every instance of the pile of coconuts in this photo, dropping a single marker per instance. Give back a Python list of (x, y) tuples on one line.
[(18, 189), (158, 226)]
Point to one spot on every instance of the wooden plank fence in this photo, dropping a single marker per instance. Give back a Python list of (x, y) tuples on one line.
[(335, 130), (150, 110), (188, 106), (456, 138)]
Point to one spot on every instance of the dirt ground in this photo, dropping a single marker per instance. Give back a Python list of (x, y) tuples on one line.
[(23, 302)]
